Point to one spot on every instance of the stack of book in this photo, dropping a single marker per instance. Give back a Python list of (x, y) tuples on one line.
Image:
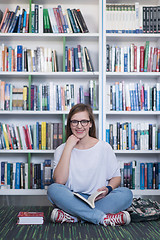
[(140, 175), (78, 59), (132, 18), (39, 136), (47, 97), (140, 96), (42, 20), (30, 218), (132, 58), (19, 175), (133, 136)]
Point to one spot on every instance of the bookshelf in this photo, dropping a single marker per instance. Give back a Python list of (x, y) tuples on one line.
[(109, 78), (93, 42), (94, 14)]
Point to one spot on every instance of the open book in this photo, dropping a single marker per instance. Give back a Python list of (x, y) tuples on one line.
[(90, 201)]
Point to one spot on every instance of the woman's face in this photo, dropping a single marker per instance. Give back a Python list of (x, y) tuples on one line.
[(80, 129)]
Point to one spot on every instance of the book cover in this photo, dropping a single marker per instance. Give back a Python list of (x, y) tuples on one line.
[(30, 218)]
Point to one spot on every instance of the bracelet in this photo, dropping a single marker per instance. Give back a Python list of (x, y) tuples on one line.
[(109, 189)]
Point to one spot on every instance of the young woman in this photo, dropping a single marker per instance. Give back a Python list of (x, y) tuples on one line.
[(85, 164)]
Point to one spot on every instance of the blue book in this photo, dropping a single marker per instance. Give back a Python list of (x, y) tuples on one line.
[(14, 20), (19, 23), (158, 139), (72, 20), (9, 58), (107, 135), (76, 60), (17, 175), (2, 173), (142, 176), (19, 58), (8, 174), (149, 175), (125, 62), (145, 99), (24, 21), (66, 58), (159, 175)]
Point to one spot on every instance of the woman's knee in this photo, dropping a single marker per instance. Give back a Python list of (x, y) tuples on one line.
[(52, 188), (128, 194)]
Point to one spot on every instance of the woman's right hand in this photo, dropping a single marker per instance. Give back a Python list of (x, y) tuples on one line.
[(72, 141)]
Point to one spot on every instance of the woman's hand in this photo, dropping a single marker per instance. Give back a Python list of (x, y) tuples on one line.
[(102, 195), (72, 141)]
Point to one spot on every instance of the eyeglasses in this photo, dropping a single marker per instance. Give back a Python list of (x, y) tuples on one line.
[(84, 123)]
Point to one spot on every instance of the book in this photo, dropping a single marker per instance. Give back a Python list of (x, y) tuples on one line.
[(30, 218), (91, 200)]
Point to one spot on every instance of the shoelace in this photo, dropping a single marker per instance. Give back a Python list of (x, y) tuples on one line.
[(62, 216), (115, 219)]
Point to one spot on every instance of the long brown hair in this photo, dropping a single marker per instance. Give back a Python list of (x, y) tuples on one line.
[(80, 107)]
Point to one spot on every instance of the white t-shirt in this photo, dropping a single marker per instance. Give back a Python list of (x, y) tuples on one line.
[(90, 168)]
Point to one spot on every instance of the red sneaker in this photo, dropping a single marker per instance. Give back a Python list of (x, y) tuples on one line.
[(60, 216), (117, 219)]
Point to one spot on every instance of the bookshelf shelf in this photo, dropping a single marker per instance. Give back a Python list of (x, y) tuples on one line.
[(39, 192), (137, 151), (38, 112), (132, 37), (27, 151), (49, 35), (30, 192), (57, 74), (133, 113), (146, 192)]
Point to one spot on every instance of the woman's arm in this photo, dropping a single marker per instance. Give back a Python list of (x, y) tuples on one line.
[(114, 183), (61, 172)]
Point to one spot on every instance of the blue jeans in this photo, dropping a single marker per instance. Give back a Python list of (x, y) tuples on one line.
[(117, 200)]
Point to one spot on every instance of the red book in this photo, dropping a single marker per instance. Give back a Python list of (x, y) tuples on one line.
[(30, 218), (57, 20), (132, 139), (27, 23), (157, 62), (28, 136), (141, 58), (26, 139), (135, 58)]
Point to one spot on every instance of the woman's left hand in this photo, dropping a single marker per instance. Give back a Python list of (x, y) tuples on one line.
[(103, 194)]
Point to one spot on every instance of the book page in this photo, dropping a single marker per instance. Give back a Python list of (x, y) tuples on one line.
[(91, 199)]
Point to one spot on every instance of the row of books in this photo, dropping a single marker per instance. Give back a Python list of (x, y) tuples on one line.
[(22, 59), (78, 59), (133, 136), (47, 97), (20, 175), (132, 18), (133, 96), (132, 58), (43, 20), (43, 59), (138, 175), (15, 21), (45, 136), (58, 21)]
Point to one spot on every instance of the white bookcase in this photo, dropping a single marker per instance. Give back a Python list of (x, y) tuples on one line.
[(92, 13), (109, 78)]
